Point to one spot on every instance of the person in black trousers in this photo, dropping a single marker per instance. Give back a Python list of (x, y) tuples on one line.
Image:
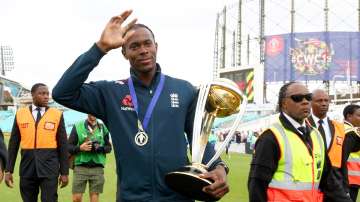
[(334, 135), (3, 156), (39, 131)]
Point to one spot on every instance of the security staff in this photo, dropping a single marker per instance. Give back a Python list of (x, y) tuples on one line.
[(352, 123), (289, 162), (3, 156), (40, 132), (319, 119), (339, 144)]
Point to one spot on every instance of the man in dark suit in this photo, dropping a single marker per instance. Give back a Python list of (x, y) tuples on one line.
[(319, 119), (338, 143), (3, 156), (39, 131)]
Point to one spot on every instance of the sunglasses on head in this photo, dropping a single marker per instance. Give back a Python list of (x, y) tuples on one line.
[(300, 97)]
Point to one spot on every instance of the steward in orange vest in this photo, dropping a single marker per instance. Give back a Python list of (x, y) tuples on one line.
[(336, 141), (40, 133), (353, 162), (337, 153), (352, 123)]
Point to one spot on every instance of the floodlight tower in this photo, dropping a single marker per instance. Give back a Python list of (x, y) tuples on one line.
[(216, 49), (6, 59)]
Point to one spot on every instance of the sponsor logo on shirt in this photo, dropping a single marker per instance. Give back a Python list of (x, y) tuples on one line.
[(174, 100), (127, 104)]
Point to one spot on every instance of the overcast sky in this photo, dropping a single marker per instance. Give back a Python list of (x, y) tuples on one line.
[(48, 35)]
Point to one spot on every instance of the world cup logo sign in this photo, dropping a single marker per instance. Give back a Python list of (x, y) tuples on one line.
[(311, 56)]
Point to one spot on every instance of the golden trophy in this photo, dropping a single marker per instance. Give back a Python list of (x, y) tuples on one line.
[(218, 99)]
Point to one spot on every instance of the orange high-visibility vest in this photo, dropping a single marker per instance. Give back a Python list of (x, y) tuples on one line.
[(353, 165), (42, 137), (353, 162), (335, 150)]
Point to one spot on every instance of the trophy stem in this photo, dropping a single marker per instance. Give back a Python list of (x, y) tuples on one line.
[(204, 137), (195, 146), (230, 134)]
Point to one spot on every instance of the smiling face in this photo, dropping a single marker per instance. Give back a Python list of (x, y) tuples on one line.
[(298, 109), (140, 49)]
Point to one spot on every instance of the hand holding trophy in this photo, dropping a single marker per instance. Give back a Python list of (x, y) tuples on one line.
[(218, 99)]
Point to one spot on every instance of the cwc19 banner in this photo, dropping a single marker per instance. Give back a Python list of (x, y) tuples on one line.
[(312, 56)]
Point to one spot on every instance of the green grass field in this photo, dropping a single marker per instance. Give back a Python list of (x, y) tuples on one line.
[(238, 164)]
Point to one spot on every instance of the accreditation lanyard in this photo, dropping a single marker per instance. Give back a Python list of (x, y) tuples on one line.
[(142, 126)]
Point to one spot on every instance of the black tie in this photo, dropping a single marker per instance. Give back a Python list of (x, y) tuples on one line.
[(38, 116), (302, 129), (321, 129), (305, 133)]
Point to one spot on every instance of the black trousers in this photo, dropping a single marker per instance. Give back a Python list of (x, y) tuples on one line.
[(353, 192), (29, 189)]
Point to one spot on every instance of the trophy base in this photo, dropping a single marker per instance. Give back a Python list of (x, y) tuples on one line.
[(187, 182)]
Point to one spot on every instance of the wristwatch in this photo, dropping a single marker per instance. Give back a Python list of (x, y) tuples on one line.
[(222, 163)]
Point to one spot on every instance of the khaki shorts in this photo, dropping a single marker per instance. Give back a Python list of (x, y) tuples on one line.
[(82, 175)]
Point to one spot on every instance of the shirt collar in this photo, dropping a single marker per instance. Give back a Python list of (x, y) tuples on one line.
[(136, 79), (87, 124), (293, 122), (348, 123), (33, 108), (316, 119)]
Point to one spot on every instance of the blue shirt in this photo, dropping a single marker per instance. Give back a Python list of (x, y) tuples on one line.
[(141, 169)]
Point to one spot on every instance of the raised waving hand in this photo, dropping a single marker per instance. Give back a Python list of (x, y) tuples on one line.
[(113, 35)]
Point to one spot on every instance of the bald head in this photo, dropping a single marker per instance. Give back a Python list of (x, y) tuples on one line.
[(318, 92), (320, 103)]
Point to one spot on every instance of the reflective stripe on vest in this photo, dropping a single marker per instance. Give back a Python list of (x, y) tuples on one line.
[(353, 166), (293, 185), (353, 162), (335, 150), (355, 173), (296, 173), (46, 130), (352, 159)]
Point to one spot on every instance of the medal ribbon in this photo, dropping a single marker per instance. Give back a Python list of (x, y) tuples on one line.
[(152, 104)]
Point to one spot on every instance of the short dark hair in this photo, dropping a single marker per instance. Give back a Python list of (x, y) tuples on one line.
[(138, 25), (36, 86), (135, 26), (350, 109), (282, 94)]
